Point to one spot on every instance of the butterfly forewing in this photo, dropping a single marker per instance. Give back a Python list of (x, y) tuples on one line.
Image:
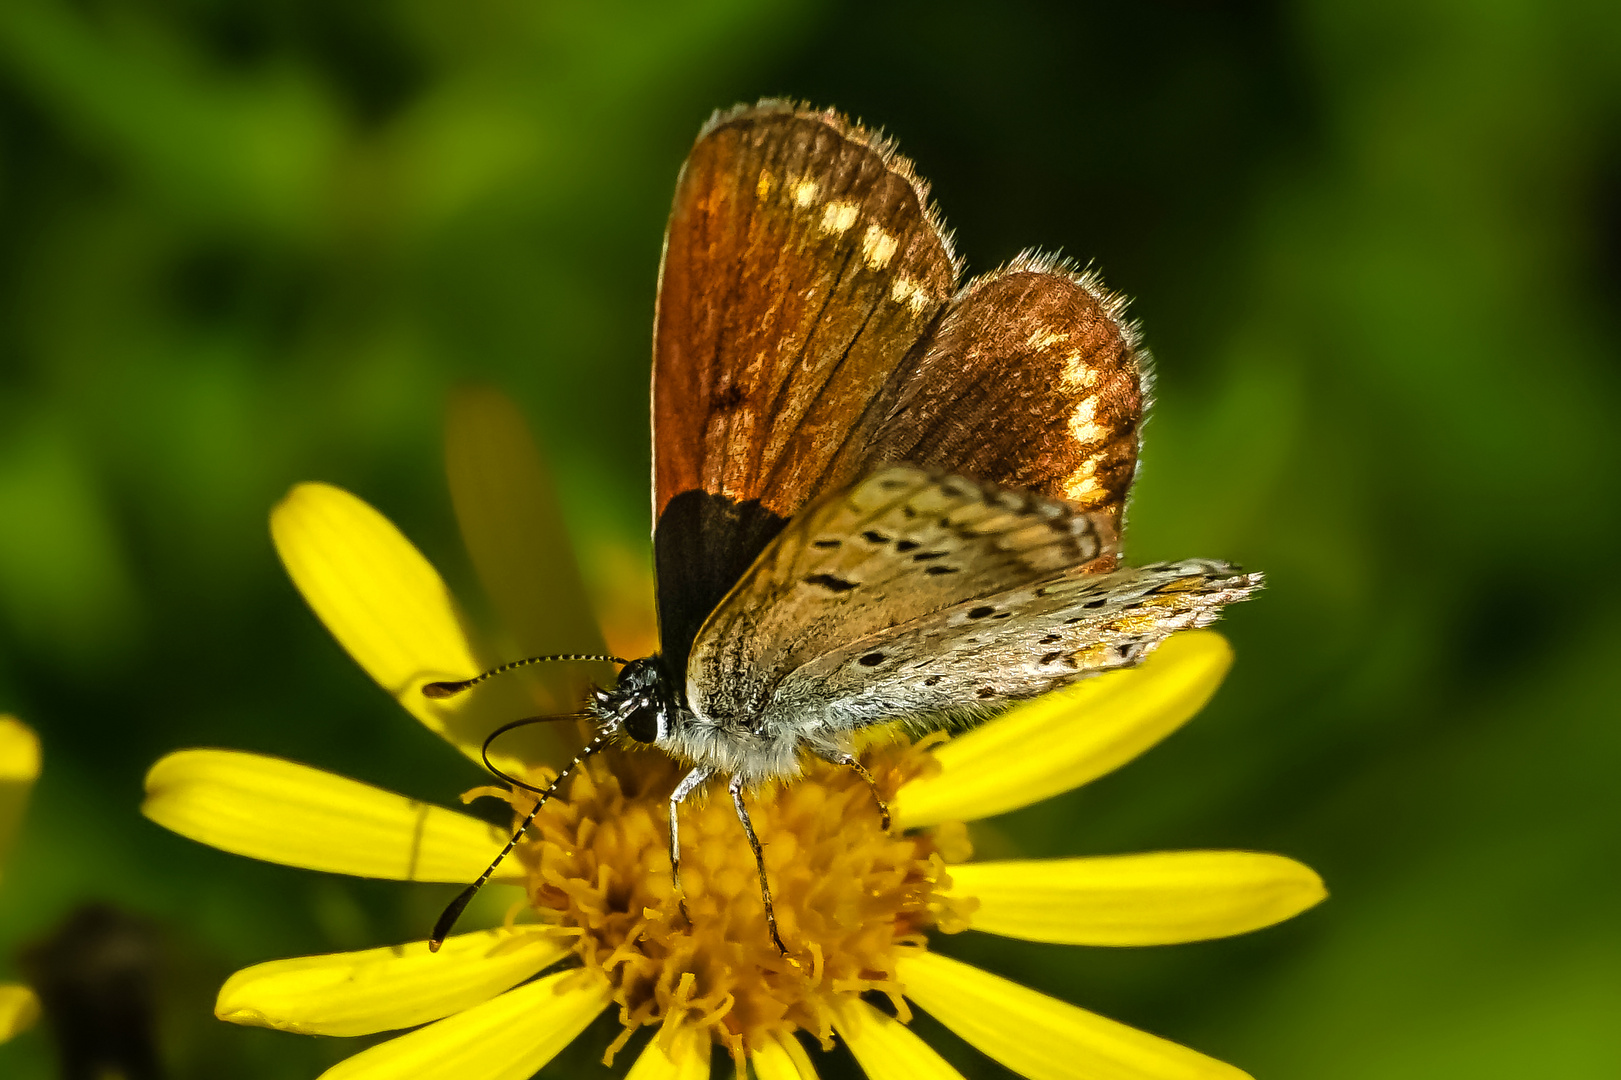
[(913, 592), (1032, 380), (802, 267)]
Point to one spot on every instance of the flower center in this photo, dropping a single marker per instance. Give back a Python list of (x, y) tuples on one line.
[(846, 894)]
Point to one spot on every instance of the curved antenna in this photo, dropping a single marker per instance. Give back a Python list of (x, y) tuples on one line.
[(446, 689), (441, 929), (484, 751)]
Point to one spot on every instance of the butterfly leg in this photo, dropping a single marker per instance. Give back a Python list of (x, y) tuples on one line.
[(844, 757), (736, 788), (688, 784)]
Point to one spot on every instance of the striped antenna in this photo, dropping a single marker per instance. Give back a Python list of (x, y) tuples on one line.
[(441, 929), (446, 689)]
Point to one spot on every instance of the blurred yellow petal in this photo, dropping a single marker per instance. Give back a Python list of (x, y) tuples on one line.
[(19, 768), (1040, 1037), (359, 993), (390, 609), (885, 1048), (1067, 738), (782, 1059), (507, 1038), (1154, 899), (19, 1009), (283, 812), (686, 1059), (514, 530), (622, 575), (19, 751)]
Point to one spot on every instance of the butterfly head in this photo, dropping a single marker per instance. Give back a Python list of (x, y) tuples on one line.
[(639, 707)]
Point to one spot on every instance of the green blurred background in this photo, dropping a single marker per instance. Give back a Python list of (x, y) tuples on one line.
[(1376, 249)]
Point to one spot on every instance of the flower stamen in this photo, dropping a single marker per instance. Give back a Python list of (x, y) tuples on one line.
[(850, 896)]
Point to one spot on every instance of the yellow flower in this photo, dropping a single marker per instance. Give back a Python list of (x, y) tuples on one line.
[(19, 768), (601, 927)]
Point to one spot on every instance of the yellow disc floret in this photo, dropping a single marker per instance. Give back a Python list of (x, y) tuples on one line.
[(848, 895)]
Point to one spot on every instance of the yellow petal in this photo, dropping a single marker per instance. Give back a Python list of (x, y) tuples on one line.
[(1043, 1038), (282, 812), (19, 768), (19, 1009), (19, 751), (687, 1058), (514, 530), (1067, 738), (359, 993), (885, 1048), (1153, 899), (506, 1038), (390, 609), (782, 1059)]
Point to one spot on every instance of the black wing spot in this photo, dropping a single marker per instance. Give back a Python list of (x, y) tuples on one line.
[(1124, 650), (907, 545), (984, 692), (1072, 622), (981, 612), (825, 544), (925, 556), (726, 400), (1008, 500), (1099, 602), (1051, 657), (872, 659), (1050, 639), (1003, 615), (831, 582), (1042, 591), (932, 680), (936, 570), (909, 511), (875, 537)]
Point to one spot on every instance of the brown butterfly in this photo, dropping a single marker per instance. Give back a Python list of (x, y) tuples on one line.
[(880, 496)]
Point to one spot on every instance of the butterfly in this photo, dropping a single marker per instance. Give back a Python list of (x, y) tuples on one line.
[(880, 496)]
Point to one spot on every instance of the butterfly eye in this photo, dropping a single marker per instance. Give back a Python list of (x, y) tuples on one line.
[(643, 725)]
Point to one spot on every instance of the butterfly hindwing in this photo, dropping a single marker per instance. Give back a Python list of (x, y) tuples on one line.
[(899, 543), (802, 267), (1056, 632), (913, 591), (1032, 380)]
